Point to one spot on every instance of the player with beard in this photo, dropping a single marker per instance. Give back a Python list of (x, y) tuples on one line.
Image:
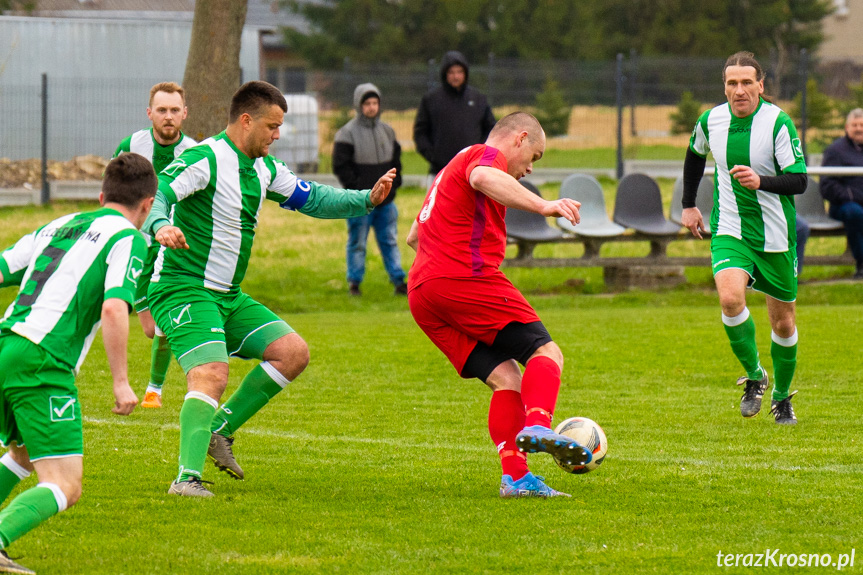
[(160, 144)]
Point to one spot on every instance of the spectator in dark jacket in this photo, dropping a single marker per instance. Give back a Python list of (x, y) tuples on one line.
[(365, 148), (452, 116), (845, 193)]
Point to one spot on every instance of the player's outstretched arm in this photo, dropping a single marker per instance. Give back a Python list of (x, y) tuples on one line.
[(382, 187), (115, 333), (505, 189)]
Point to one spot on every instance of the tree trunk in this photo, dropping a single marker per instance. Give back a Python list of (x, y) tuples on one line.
[(213, 66)]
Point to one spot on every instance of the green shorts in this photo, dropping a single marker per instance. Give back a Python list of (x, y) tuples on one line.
[(38, 401), (772, 273), (141, 302), (205, 326)]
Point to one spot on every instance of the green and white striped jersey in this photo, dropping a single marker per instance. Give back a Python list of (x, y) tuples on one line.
[(142, 142), (217, 192), (766, 141), (66, 269)]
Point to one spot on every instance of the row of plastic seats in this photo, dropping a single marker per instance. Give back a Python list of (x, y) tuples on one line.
[(638, 206)]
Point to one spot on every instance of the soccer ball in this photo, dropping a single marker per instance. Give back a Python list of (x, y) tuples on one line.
[(590, 436)]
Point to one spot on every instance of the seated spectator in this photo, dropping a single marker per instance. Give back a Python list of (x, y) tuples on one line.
[(845, 193)]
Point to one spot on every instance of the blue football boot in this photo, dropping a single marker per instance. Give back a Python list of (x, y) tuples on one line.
[(528, 486), (537, 439)]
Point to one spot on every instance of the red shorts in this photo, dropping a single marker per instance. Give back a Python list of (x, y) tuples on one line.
[(457, 313)]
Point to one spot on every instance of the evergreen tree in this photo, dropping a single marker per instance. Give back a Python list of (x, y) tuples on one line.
[(688, 110)]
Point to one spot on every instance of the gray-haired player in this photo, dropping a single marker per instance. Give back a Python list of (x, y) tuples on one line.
[(759, 167)]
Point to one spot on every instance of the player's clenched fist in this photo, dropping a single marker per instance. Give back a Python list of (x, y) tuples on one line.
[(125, 400), (172, 237)]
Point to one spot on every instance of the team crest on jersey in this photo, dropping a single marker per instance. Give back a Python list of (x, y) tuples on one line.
[(797, 147), (180, 315), (62, 407), (174, 168), (135, 269)]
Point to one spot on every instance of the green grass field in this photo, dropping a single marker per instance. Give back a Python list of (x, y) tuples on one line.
[(413, 163), (377, 459)]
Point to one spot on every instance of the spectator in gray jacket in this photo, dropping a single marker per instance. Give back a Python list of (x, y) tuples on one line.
[(363, 149)]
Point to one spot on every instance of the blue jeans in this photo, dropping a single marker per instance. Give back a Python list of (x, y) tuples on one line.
[(383, 219), (851, 214), (802, 238)]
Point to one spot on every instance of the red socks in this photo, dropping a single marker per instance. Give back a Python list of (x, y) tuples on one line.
[(540, 385), (505, 420)]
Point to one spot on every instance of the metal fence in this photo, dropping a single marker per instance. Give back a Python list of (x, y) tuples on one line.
[(619, 104)]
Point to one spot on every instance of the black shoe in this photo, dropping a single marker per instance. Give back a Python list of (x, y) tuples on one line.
[(858, 275), (221, 454), (191, 487), (7, 565), (783, 412), (401, 289), (354, 289), (750, 402)]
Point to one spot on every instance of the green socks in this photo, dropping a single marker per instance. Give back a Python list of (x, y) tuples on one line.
[(160, 360), (195, 417), (783, 351), (11, 475), (29, 509), (261, 385), (741, 334)]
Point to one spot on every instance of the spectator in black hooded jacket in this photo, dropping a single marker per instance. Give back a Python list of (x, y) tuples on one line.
[(452, 116), (363, 149)]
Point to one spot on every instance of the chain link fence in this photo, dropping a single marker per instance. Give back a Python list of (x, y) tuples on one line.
[(627, 109)]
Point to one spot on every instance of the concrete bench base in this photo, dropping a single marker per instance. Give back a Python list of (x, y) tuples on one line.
[(643, 276)]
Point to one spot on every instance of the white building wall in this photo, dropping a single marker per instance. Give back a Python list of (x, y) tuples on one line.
[(99, 76)]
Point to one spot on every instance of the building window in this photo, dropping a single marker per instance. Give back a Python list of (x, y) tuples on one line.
[(841, 8), (290, 80)]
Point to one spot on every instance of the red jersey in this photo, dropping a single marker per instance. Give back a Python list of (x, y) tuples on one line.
[(462, 233)]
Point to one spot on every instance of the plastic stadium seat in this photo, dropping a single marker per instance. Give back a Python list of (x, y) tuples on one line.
[(639, 206), (595, 222), (528, 229), (703, 201), (810, 205)]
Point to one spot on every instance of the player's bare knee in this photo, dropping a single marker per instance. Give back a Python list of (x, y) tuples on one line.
[(209, 378), (289, 354), (506, 376), (552, 351), (20, 456), (784, 327), (148, 324), (301, 355), (732, 305), (72, 493)]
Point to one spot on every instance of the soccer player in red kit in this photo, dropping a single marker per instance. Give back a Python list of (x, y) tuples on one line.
[(469, 309)]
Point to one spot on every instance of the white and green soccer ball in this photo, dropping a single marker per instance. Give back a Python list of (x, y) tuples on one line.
[(589, 435)]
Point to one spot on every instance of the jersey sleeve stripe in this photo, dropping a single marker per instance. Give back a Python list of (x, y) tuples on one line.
[(118, 260), (488, 157), (120, 293)]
